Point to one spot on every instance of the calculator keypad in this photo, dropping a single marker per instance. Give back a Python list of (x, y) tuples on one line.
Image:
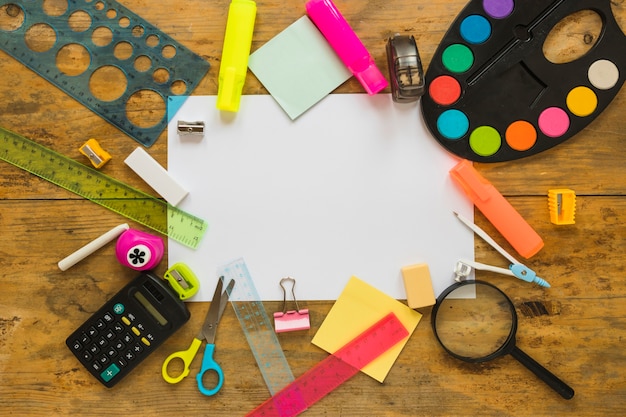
[(112, 342)]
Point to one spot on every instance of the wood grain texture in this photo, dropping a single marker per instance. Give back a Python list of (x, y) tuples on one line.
[(576, 328)]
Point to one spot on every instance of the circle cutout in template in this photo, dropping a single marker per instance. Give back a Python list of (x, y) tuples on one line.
[(11, 17), (475, 29), (178, 87), (485, 141), (102, 36), (79, 21), (521, 135), (457, 58), (603, 74), (145, 108), (123, 50), (452, 124), (498, 9), (444, 90), (73, 59), (582, 101), (108, 83), (40, 37), (161, 76), (553, 122)]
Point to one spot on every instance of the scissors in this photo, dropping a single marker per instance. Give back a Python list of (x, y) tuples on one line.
[(218, 304)]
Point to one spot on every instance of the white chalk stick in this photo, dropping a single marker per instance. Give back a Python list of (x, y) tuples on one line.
[(91, 247)]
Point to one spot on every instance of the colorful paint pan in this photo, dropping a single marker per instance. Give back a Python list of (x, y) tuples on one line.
[(492, 95)]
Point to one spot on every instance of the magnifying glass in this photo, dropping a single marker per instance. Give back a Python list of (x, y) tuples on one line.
[(476, 322)]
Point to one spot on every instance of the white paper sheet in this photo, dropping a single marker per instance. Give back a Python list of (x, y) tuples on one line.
[(355, 186)]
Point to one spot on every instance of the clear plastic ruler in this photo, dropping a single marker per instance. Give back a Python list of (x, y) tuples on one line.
[(257, 327), (74, 47), (101, 189), (333, 371)]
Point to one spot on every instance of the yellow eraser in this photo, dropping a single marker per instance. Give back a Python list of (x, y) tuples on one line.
[(418, 286)]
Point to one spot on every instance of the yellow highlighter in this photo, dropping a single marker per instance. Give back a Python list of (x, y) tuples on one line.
[(237, 42)]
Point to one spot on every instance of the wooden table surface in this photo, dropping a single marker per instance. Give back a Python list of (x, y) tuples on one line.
[(577, 328)]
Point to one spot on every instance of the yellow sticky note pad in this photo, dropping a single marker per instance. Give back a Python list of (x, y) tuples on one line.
[(358, 307)]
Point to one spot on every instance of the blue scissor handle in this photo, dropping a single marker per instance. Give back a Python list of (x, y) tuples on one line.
[(209, 364)]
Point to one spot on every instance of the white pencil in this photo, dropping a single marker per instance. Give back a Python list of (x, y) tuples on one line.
[(91, 247)]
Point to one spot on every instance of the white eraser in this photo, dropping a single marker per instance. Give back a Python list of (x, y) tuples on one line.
[(156, 176)]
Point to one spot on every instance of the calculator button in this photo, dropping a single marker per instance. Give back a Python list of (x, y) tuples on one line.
[(129, 355), (110, 334), (137, 348), (119, 345), (145, 341), (111, 352), (84, 339), (110, 372), (118, 308), (102, 342), (100, 325), (118, 327), (128, 338), (126, 321), (92, 331), (104, 359), (121, 362), (136, 331), (96, 366), (77, 345), (108, 317), (93, 349), (87, 356)]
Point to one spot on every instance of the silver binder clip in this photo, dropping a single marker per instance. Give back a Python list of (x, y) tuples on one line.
[(288, 321), (190, 128)]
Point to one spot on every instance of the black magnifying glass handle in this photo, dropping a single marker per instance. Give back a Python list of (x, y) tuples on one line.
[(546, 376)]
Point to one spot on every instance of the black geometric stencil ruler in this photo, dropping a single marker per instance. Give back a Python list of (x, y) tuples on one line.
[(114, 43)]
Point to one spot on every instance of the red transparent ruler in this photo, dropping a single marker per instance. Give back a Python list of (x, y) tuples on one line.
[(333, 371)]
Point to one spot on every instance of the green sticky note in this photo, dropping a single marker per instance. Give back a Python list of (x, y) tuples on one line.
[(298, 67)]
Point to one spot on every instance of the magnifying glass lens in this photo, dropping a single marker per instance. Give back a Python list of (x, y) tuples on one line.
[(475, 321)]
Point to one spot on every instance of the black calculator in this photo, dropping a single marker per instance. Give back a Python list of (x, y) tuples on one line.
[(129, 327)]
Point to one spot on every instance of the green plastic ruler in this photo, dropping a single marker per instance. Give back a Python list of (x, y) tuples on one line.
[(101, 189), (257, 327)]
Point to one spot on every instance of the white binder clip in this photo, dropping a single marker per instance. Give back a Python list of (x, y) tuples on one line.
[(292, 320)]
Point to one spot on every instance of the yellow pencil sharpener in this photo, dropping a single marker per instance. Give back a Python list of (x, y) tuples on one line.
[(92, 150), (562, 204)]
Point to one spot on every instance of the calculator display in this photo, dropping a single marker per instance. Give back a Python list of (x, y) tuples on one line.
[(150, 308)]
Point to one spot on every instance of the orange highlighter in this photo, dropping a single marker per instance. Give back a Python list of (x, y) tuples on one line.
[(497, 210)]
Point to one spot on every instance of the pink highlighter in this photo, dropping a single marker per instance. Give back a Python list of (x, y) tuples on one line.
[(346, 44)]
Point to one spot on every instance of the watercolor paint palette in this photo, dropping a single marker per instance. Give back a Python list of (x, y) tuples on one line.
[(492, 95)]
